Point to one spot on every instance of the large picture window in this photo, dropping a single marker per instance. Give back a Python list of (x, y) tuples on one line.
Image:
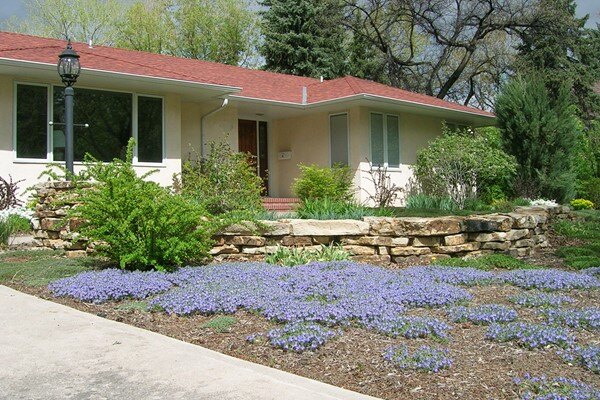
[(385, 140), (108, 117)]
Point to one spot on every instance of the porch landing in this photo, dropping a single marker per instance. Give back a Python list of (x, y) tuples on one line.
[(280, 203)]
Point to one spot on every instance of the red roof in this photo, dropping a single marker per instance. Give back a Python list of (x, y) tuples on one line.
[(255, 84)]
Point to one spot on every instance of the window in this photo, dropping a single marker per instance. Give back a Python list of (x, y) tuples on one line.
[(31, 121), (109, 116), (385, 140), (338, 130)]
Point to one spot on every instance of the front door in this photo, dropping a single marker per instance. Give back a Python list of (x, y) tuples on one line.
[(252, 139)]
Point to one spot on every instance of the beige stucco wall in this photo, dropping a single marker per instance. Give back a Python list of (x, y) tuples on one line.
[(29, 171), (307, 137)]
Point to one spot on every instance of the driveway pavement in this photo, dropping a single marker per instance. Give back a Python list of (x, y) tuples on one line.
[(50, 351)]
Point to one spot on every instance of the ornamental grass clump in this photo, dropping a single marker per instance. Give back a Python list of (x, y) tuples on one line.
[(585, 318), (111, 284), (559, 388), (586, 356), (425, 358), (409, 327), (530, 335), (549, 279), (483, 314), (540, 299), (301, 336)]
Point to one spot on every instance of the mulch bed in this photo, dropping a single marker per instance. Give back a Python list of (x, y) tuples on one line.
[(481, 369)]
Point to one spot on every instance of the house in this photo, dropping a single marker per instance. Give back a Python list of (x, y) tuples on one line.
[(170, 105)]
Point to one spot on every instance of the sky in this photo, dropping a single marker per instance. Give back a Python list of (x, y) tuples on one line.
[(17, 8)]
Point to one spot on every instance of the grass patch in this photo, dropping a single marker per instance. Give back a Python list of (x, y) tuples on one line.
[(586, 228), (488, 262), (40, 267), (134, 305), (220, 323)]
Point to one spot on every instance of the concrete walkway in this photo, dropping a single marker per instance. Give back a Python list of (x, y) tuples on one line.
[(49, 351)]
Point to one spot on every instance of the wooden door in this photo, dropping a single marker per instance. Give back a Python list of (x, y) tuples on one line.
[(248, 142)]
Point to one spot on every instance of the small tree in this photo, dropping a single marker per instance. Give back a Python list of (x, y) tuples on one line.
[(459, 165), (540, 131), (385, 192)]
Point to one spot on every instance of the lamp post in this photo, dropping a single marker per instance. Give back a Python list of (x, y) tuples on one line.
[(68, 69)]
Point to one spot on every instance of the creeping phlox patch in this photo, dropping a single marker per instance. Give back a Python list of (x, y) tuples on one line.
[(530, 335), (586, 356), (549, 279), (425, 358), (559, 388), (111, 284), (585, 318), (483, 314), (451, 275), (408, 327), (300, 336), (540, 299), (594, 271), (334, 293)]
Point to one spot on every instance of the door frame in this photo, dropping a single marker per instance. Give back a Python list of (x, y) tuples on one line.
[(257, 121)]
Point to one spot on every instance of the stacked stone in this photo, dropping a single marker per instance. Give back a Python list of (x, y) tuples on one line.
[(398, 240), (51, 227)]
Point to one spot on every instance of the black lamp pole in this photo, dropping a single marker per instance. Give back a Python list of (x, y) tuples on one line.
[(68, 69)]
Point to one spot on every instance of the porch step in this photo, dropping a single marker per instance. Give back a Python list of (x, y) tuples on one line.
[(280, 203)]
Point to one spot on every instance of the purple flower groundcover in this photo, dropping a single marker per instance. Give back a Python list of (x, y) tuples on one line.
[(425, 358), (409, 327), (530, 335), (111, 284), (559, 388), (482, 314), (584, 318), (301, 336), (549, 279), (586, 356), (540, 299)]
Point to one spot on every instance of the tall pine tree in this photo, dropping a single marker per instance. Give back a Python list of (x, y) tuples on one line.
[(304, 37)]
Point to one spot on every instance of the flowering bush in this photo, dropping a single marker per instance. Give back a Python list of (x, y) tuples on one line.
[(300, 336), (409, 327), (529, 335), (542, 388), (544, 203), (482, 315), (549, 279), (540, 299), (425, 358), (330, 293), (582, 204), (587, 318), (586, 356), (110, 284)]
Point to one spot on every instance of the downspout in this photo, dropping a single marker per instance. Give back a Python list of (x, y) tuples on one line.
[(216, 110)]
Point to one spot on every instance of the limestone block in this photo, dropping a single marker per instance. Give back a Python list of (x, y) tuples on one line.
[(290, 241), (75, 223), (226, 249), (254, 250), (454, 240), (241, 229), (322, 239), (359, 250), (372, 259), (519, 252), (516, 234), (342, 227), (382, 226), (374, 241), (489, 237), (400, 241), (459, 248), (255, 241), (524, 243), (35, 224), (495, 246), (523, 220), (76, 253), (52, 224), (383, 250), (427, 226), (426, 241), (488, 223), (276, 228), (409, 251), (477, 254)]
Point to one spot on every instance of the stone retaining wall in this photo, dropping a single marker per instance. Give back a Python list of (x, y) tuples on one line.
[(372, 239)]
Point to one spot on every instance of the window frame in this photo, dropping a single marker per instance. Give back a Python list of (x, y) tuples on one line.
[(346, 113), (50, 116), (385, 141)]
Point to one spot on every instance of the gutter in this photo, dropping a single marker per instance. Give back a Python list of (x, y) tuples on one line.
[(202, 118)]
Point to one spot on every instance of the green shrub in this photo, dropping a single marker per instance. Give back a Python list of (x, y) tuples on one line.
[(138, 223), (12, 224), (223, 181), (426, 202), (459, 164), (582, 204), (319, 183), (291, 256), (590, 189)]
